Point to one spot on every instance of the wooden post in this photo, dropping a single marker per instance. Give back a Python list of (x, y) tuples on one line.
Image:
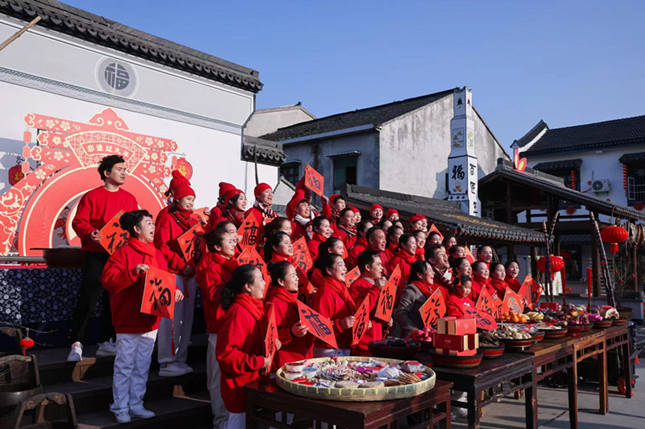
[(20, 32), (534, 271), (635, 266)]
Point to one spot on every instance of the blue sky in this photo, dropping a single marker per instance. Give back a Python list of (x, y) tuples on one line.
[(567, 62)]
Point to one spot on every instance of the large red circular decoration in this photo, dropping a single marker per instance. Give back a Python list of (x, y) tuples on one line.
[(614, 234), (557, 263)]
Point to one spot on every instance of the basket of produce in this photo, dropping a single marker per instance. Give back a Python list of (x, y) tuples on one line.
[(395, 348), (355, 378), (441, 359)]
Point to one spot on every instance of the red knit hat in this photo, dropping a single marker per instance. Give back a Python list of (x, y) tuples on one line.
[(177, 180), (334, 197), (376, 206), (390, 212), (260, 188), (417, 217), (354, 209), (231, 193), (224, 187), (182, 190)]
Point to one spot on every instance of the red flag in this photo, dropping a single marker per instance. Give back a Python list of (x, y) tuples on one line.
[(433, 228), (387, 296), (271, 334), (112, 235), (319, 326), (433, 309), (361, 321), (159, 293), (513, 301), (314, 180)]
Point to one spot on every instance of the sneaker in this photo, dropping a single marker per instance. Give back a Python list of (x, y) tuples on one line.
[(76, 353), (174, 369), (108, 348), (122, 417), (141, 413)]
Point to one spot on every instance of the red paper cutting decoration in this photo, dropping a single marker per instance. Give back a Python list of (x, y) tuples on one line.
[(625, 175), (639, 206), (614, 234), (15, 174)]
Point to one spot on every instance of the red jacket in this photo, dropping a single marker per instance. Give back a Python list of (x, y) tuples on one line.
[(403, 259), (421, 254), (297, 230), (456, 306), (314, 245), (213, 272), (359, 290), (126, 287), (513, 283), (95, 209), (240, 349), (302, 277), (286, 315), (390, 250), (169, 227), (334, 302), (359, 247), (348, 239)]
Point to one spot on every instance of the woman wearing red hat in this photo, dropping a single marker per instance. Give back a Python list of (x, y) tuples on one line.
[(235, 206), (376, 214), (392, 215), (171, 223), (404, 257), (217, 212), (416, 222)]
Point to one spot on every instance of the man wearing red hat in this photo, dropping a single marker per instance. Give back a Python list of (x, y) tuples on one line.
[(346, 229), (416, 222), (376, 214), (172, 222), (338, 204), (262, 208), (217, 212), (95, 209), (392, 215)]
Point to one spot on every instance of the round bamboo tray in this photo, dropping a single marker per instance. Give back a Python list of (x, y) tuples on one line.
[(357, 394), (620, 322), (603, 324)]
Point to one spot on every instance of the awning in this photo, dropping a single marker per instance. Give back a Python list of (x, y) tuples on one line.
[(446, 215), (633, 158), (262, 151)]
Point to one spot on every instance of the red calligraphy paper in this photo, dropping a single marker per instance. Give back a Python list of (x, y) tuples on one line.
[(191, 242), (484, 320), (361, 321), (112, 235), (159, 293), (513, 301), (248, 233), (271, 334), (525, 291), (314, 180), (301, 255), (486, 303), (200, 215), (433, 309), (251, 256), (352, 276), (536, 291), (319, 326), (387, 297)]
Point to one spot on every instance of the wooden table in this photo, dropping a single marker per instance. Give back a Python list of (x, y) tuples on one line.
[(509, 373), (264, 398), (617, 337), (586, 345), (551, 356)]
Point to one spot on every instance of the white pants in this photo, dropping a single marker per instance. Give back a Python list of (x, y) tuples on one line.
[(183, 321), (324, 352), (213, 377), (236, 421), (131, 365)]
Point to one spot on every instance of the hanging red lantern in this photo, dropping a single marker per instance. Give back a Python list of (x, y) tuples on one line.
[(614, 234), (15, 174), (557, 264), (26, 343)]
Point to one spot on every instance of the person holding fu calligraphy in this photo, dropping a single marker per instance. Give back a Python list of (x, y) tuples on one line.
[(171, 224), (215, 269), (262, 207), (240, 346), (279, 248), (369, 284), (334, 301), (459, 297), (95, 209), (123, 278), (421, 285), (283, 294)]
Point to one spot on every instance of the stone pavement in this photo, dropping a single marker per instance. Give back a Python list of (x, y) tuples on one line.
[(553, 409)]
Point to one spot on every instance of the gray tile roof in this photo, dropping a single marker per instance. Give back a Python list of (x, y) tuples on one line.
[(373, 116), (599, 135), (84, 25)]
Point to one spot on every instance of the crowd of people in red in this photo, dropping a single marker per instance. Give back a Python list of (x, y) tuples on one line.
[(234, 297)]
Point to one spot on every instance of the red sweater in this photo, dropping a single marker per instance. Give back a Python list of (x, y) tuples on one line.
[(95, 209), (314, 245), (240, 349), (359, 247), (456, 306), (403, 259), (420, 254), (126, 287), (359, 290), (213, 272), (286, 315), (334, 302), (169, 227)]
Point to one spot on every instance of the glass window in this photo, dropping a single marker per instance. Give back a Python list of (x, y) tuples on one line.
[(344, 171), (291, 172)]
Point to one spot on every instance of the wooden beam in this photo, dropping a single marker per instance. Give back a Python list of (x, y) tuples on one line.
[(20, 32)]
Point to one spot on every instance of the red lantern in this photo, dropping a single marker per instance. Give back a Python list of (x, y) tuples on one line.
[(26, 343), (614, 234), (15, 174), (557, 264)]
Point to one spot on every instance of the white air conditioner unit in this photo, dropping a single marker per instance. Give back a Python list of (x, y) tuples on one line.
[(600, 186)]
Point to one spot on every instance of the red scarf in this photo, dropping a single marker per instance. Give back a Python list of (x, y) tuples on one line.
[(230, 264), (425, 288), (514, 284), (351, 231), (276, 257), (281, 293), (405, 255), (148, 251), (318, 237), (267, 212), (254, 306), (182, 217), (498, 285), (341, 289), (237, 216), (420, 254)]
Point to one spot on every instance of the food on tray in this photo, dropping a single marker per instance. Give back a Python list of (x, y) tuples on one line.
[(535, 316), (486, 340), (507, 332), (609, 312), (547, 327), (346, 384), (514, 317), (371, 384), (412, 366)]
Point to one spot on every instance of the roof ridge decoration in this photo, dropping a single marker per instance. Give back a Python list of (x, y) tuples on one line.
[(87, 26)]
